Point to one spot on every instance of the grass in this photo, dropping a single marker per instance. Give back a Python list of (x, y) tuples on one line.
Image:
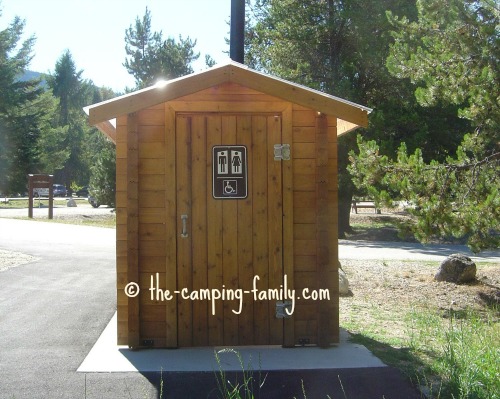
[(381, 227), (23, 203), (108, 221), (454, 356), (463, 349)]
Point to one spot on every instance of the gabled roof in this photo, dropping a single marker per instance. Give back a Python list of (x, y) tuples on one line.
[(102, 113)]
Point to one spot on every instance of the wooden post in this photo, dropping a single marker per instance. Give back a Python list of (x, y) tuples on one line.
[(322, 228), (30, 196), (288, 257), (40, 181), (51, 196), (133, 227), (171, 316)]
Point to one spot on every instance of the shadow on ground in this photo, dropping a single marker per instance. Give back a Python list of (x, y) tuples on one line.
[(409, 366), (366, 383), (353, 383)]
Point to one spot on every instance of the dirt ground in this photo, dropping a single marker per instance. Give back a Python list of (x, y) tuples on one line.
[(399, 284), (406, 285)]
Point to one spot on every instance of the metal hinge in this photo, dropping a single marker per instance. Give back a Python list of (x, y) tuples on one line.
[(281, 309), (282, 152)]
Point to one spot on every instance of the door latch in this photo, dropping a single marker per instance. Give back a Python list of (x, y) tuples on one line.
[(283, 309), (282, 152)]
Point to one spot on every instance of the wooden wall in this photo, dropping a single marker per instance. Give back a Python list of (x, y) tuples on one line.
[(308, 184), (145, 157)]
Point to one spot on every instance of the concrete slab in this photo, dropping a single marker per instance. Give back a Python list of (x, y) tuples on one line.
[(107, 357)]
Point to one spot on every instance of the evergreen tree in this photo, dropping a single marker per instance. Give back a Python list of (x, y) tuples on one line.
[(51, 145), (340, 47), (67, 85), (451, 53), (73, 93), (20, 110), (101, 154), (103, 176), (150, 58)]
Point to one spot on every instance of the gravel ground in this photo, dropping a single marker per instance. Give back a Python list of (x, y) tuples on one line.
[(403, 285), (82, 210), (390, 285), (12, 259)]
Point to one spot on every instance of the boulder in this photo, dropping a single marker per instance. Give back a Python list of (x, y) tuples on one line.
[(343, 283), (71, 203), (456, 268)]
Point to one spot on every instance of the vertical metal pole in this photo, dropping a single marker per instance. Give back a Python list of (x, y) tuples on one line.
[(237, 35)]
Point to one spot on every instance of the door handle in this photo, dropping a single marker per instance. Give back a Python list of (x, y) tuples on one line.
[(184, 233)]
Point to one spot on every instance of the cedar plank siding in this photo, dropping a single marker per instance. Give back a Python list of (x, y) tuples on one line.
[(155, 218)]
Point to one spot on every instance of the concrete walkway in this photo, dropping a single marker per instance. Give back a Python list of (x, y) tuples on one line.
[(107, 357), (56, 317)]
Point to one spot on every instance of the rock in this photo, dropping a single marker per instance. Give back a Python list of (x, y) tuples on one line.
[(71, 203), (456, 268), (343, 283)]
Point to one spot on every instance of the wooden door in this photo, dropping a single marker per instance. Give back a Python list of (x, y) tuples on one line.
[(223, 244)]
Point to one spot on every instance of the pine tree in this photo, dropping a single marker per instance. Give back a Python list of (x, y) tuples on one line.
[(103, 176), (19, 110), (150, 58), (72, 93), (451, 53), (340, 47)]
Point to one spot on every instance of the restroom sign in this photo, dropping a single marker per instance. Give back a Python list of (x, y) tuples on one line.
[(229, 172)]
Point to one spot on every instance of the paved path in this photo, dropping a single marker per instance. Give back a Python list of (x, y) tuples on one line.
[(366, 250), (52, 311), (360, 250), (82, 208)]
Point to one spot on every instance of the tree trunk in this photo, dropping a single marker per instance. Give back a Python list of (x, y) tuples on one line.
[(345, 199), (346, 187)]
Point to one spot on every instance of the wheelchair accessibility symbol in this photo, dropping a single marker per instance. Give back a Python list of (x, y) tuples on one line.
[(229, 171), (230, 187)]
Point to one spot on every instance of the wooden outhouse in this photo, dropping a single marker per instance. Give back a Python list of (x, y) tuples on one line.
[(226, 203)]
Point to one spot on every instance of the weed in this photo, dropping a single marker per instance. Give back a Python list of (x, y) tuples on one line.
[(327, 396), (161, 383), (237, 390)]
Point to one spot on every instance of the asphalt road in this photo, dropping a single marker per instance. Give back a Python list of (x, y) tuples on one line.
[(412, 251), (53, 310)]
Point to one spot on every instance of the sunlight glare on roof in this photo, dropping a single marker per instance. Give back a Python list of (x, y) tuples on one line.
[(161, 83)]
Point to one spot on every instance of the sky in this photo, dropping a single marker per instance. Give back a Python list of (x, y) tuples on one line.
[(94, 31)]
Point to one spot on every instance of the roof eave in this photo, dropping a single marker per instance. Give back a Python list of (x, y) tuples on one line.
[(301, 95), (106, 127), (229, 72), (153, 95)]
